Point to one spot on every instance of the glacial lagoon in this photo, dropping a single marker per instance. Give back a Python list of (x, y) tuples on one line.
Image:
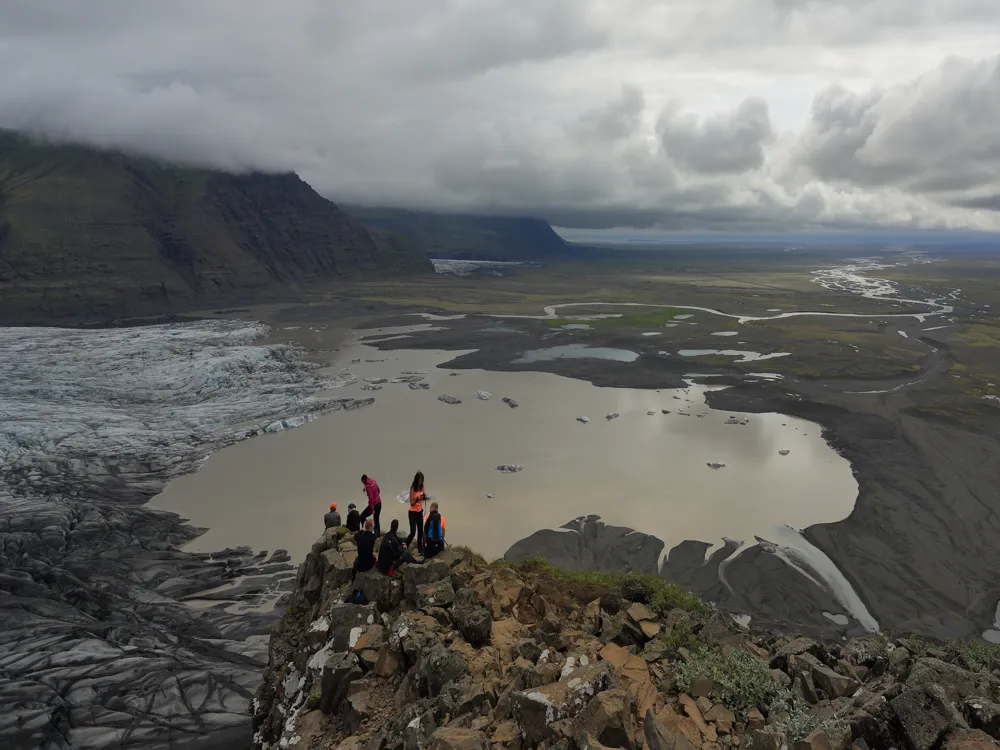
[(644, 469)]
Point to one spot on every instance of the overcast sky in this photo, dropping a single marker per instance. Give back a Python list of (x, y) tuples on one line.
[(674, 114)]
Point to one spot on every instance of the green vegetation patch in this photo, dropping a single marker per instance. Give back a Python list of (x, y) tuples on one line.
[(742, 681), (679, 636), (647, 588), (977, 655)]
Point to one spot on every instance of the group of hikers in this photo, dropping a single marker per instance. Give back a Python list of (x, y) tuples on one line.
[(429, 531)]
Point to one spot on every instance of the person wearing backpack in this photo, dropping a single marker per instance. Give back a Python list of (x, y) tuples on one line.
[(416, 511), (434, 531)]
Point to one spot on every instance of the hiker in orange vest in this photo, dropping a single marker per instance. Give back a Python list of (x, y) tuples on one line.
[(416, 511)]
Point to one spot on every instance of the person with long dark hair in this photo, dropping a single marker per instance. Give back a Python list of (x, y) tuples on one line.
[(416, 511)]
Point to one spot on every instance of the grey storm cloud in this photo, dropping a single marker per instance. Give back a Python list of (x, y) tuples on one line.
[(653, 113), (726, 142), (937, 133)]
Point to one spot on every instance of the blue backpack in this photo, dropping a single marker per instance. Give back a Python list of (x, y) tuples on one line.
[(434, 530)]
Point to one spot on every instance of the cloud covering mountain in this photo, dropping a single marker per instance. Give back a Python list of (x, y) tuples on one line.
[(676, 114)]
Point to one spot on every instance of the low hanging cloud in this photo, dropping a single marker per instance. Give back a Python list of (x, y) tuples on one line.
[(763, 114)]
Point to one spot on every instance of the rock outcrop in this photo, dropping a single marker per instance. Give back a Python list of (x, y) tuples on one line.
[(459, 654)]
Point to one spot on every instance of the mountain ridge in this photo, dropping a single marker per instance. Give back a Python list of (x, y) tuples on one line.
[(469, 236), (99, 234)]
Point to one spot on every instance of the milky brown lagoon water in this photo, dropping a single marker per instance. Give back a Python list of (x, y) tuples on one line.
[(645, 472)]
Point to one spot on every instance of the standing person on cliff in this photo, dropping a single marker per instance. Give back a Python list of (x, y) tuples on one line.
[(374, 509), (416, 512)]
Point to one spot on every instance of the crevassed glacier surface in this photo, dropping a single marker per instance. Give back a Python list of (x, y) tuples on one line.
[(95, 649)]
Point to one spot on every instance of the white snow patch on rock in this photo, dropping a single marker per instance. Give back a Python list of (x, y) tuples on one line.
[(320, 625)]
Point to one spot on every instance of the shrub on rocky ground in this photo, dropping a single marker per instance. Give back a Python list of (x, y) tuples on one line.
[(472, 556), (646, 588), (742, 681), (798, 720), (679, 636), (976, 654)]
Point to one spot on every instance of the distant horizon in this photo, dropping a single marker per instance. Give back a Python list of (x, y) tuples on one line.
[(811, 237)]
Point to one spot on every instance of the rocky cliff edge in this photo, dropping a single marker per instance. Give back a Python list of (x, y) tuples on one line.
[(456, 654)]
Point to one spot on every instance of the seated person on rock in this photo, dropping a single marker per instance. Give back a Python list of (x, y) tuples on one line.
[(366, 548), (393, 552), (332, 517), (434, 532), (353, 519)]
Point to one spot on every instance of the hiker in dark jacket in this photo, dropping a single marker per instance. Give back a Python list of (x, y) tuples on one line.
[(366, 549), (434, 532), (353, 519), (393, 552), (332, 517)]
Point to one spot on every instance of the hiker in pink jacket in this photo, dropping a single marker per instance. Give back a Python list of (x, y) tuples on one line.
[(374, 508)]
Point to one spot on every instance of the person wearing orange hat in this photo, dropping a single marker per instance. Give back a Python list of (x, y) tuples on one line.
[(332, 517)]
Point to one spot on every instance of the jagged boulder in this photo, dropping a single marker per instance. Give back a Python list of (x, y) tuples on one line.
[(499, 591), (984, 714), (417, 731), (357, 704), (415, 576), (659, 737), (336, 568), (475, 624), (609, 718), (957, 683), (969, 739), (926, 715), (339, 671), (833, 684), (384, 592), (536, 709), (438, 666), (346, 624), (435, 594), (632, 674), (448, 738), (412, 634), (899, 660), (792, 648)]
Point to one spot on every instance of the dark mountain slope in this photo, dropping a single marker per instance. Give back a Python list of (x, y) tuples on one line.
[(86, 234), (511, 238)]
